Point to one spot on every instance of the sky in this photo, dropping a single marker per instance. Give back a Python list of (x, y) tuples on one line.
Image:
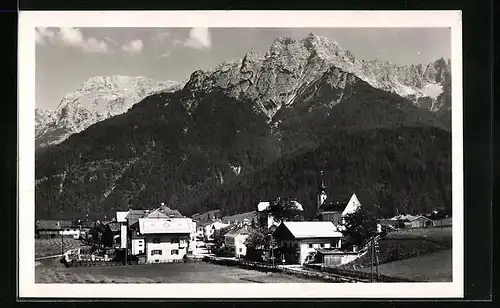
[(67, 57)]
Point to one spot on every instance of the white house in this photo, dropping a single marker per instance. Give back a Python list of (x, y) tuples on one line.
[(210, 229), (166, 239), (267, 220), (235, 239), (192, 236), (71, 231), (299, 239), (121, 217)]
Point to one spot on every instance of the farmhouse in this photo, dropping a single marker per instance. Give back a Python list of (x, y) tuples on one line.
[(265, 219), (235, 239), (121, 218), (419, 222), (299, 240), (166, 240), (54, 228)]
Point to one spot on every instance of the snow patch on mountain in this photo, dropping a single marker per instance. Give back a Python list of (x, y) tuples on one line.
[(432, 90)]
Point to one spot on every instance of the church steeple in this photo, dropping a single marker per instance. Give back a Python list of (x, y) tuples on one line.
[(321, 195)]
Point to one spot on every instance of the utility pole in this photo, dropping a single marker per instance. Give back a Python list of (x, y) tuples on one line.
[(371, 260), (272, 249), (62, 242), (376, 257)]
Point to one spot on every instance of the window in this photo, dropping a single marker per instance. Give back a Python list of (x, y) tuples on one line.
[(175, 240), (174, 252), (310, 245), (156, 252), (322, 245), (241, 249), (156, 240), (140, 251), (140, 245)]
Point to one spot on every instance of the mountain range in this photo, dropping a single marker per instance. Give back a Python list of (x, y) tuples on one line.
[(95, 100), (259, 127)]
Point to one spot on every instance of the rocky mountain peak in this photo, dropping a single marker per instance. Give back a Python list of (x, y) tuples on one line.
[(96, 99)]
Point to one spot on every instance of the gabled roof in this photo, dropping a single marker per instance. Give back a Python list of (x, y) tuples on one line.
[(311, 229), (245, 229), (134, 215), (53, 224), (206, 216), (333, 206), (408, 217), (156, 214), (240, 217), (164, 225), (352, 205), (165, 210), (420, 217)]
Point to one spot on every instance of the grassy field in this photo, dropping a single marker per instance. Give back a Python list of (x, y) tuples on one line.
[(441, 236), (50, 271), (407, 243), (435, 267), (52, 246)]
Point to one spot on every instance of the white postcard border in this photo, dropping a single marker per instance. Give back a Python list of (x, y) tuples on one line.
[(28, 20)]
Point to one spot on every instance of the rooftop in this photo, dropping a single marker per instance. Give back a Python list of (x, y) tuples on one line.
[(312, 229)]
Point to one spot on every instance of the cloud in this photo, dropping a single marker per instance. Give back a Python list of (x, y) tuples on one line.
[(160, 35), (71, 37), (112, 41), (199, 38), (42, 34), (133, 47), (166, 54)]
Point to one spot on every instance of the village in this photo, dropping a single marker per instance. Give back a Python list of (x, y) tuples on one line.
[(273, 237)]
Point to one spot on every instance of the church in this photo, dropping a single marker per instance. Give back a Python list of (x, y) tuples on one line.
[(329, 209)]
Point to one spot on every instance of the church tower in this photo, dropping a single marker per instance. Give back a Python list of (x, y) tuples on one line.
[(321, 196)]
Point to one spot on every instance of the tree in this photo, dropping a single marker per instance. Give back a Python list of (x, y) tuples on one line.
[(284, 209), (257, 242), (360, 226), (219, 236)]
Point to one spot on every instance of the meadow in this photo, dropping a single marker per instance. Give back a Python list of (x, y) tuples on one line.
[(51, 271), (54, 246)]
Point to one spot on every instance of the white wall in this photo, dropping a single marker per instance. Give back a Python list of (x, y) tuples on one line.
[(240, 247), (123, 235), (166, 246), (138, 246), (316, 244)]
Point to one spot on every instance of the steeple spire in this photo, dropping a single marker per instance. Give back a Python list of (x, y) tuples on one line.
[(321, 195)]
